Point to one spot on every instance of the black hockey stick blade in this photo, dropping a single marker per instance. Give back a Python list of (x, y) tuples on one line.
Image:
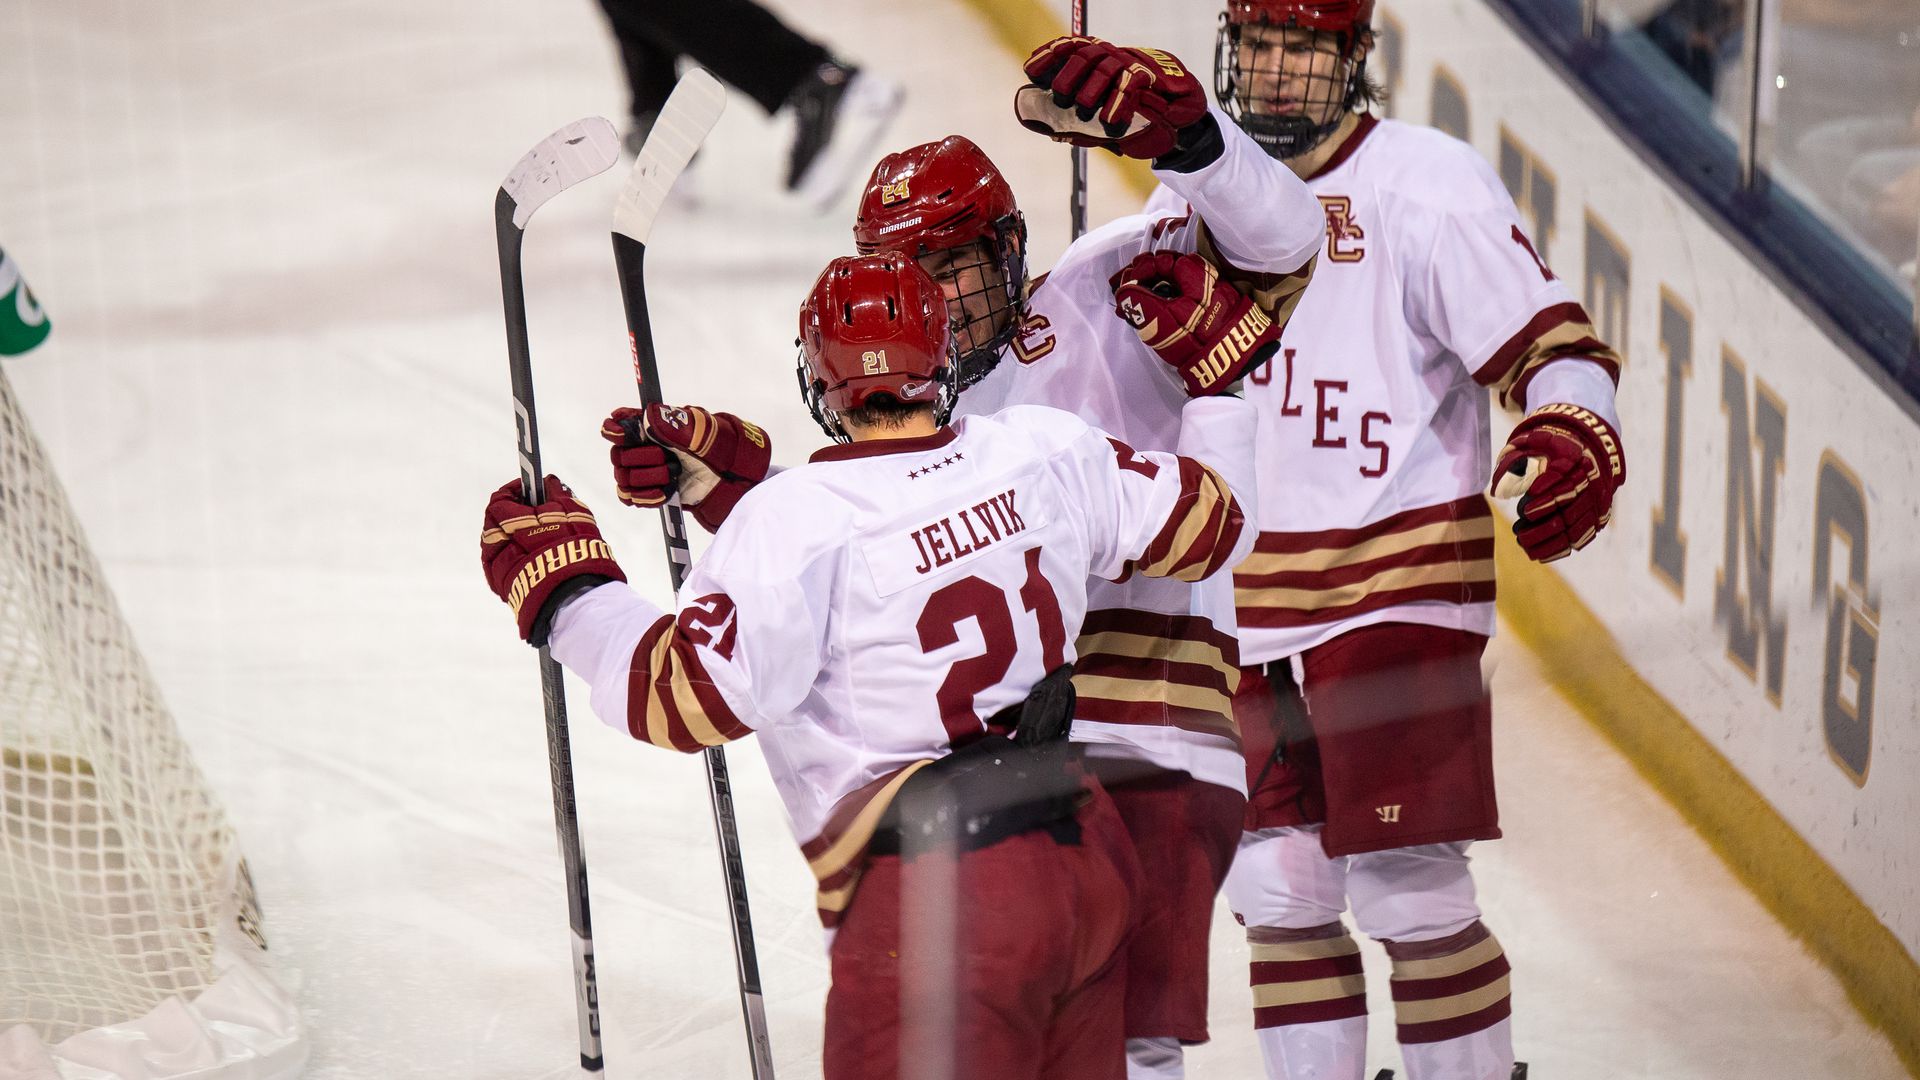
[(690, 112)]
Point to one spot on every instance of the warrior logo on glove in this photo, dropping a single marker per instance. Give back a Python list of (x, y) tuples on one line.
[(1204, 327), (1565, 463)]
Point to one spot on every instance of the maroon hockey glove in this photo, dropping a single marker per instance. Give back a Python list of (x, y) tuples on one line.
[(1565, 463), (536, 556), (1133, 102), (1204, 327), (718, 458)]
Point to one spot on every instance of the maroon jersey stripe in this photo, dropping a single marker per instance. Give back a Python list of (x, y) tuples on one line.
[(1275, 618), (1293, 543), (1425, 555)]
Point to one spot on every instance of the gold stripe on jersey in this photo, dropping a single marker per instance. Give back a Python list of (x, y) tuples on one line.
[(1320, 560), (1561, 332), (1154, 669), (671, 702), (1202, 530), (1296, 579), (1152, 647), (1184, 697), (846, 849), (1406, 577)]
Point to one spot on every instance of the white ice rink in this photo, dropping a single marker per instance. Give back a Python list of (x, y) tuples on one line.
[(277, 392)]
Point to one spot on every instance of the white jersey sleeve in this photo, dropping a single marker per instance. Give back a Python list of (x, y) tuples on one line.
[(1259, 215), (1155, 513), (1477, 285), (747, 643)]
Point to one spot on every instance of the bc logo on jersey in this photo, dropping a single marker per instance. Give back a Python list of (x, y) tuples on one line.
[(1345, 237), (1025, 346)]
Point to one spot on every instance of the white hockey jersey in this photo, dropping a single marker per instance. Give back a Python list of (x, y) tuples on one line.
[(1157, 659), (866, 611), (1375, 440)]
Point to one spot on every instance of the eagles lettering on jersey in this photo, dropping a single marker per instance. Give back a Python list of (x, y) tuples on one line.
[(865, 612), (1375, 422), (1158, 655)]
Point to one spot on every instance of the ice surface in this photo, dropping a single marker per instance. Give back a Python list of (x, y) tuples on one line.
[(277, 390)]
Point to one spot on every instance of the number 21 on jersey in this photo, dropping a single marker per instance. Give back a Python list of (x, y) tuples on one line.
[(988, 605)]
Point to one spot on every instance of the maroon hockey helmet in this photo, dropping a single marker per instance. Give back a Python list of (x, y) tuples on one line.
[(1342, 15), (1284, 134), (874, 324), (941, 197)]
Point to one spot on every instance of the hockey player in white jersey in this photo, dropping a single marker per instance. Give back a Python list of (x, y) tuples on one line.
[(878, 617), (1369, 598), (1157, 657)]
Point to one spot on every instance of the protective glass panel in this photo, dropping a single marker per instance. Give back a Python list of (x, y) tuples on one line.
[(1840, 89)]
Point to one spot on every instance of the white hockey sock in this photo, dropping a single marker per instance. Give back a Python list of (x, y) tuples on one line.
[(1451, 1000), (1309, 1002)]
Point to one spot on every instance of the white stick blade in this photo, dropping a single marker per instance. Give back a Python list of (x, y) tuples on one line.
[(690, 112), (584, 148)]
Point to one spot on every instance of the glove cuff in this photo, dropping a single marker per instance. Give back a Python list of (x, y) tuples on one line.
[(1195, 147), (542, 626)]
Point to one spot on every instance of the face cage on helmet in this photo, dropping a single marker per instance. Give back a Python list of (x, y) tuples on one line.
[(980, 340), (1285, 137), (814, 392)]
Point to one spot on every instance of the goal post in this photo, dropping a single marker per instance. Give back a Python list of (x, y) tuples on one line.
[(129, 935)]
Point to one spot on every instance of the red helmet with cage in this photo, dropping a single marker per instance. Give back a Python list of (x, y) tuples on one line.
[(944, 197), (1286, 134), (874, 324)]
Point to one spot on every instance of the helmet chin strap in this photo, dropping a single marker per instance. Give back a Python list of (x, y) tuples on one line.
[(1284, 137)]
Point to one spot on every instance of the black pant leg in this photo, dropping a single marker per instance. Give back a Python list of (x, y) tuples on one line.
[(738, 40), (651, 74)]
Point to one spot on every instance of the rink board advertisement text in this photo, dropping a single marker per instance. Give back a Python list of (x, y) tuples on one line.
[(1755, 589), (1755, 574), (1755, 571)]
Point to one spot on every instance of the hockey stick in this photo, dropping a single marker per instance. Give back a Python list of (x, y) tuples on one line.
[(582, 149), (1077, 203), (690, 112)]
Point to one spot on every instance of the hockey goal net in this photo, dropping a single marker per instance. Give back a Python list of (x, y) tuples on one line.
[(122, 893)]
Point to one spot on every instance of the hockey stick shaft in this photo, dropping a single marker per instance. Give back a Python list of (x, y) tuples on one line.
[(1077, 200), (541, 174), (689, 113)]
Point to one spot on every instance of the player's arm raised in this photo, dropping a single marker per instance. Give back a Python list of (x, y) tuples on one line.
[(1146, 103)]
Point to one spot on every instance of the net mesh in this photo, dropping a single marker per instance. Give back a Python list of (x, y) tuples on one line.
[(115, 862)]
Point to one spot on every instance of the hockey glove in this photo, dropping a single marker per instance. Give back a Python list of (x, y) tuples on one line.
[(1565, 463), (537, 556), (1088, 92), (1204, 327), (717, 458)]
